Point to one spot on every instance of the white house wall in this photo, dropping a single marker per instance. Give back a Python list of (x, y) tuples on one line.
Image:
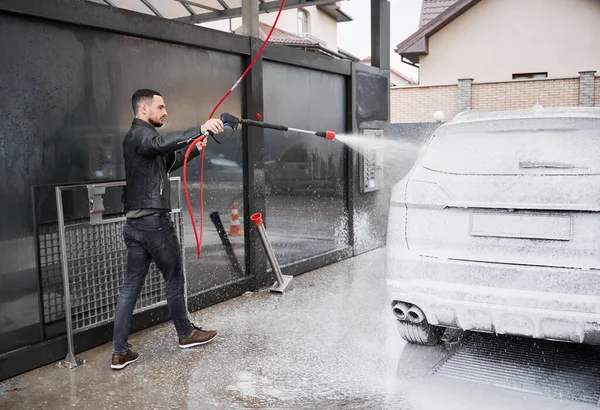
[(321, 25), (498, 38)]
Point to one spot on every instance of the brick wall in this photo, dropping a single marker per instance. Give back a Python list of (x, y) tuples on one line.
[(586, 88), (523, 94), (417, 104), (597, 97)]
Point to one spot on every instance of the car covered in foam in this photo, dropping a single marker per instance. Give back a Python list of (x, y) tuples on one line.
[(497, 228)]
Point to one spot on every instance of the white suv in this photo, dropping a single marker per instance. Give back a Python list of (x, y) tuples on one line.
[(497, 228)]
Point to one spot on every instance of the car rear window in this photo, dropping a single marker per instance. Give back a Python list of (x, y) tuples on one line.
[(516, 147)]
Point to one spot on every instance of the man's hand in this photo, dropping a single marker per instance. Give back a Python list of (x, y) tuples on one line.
[(201, 144), (213, 125)]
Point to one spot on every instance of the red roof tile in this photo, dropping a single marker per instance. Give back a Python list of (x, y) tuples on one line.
[(281, 36)]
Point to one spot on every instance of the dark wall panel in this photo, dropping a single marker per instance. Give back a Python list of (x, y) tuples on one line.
[(370, 111), (66, 108), (305, 175), (371, 96)]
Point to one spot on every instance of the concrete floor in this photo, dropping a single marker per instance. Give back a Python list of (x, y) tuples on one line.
[(329, 343)]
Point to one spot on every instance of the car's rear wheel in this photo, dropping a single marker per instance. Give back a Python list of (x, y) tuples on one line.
[(420, 333)]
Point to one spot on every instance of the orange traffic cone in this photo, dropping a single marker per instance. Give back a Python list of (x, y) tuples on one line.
[(235, 228)]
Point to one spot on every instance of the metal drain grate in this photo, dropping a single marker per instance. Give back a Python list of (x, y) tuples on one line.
[(555, 369)]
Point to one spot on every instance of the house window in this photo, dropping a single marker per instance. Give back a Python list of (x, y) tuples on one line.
[(302, 21), (525, 76)]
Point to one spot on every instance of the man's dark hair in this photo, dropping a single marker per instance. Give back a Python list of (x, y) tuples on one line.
[(142, 96)]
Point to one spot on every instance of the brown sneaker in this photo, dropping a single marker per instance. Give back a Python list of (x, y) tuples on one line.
[(197, 338), (119, 361)]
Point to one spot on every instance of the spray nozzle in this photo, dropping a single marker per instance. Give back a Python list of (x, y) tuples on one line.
[(328, 135)]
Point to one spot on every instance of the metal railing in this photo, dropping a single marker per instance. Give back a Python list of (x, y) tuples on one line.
[(93, 260)]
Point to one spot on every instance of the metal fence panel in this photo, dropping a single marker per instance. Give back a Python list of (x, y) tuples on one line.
[(88, 262), (97, 264)]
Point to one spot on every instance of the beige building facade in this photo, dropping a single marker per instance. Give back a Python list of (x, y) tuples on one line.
[(500, 55), (497, 39)]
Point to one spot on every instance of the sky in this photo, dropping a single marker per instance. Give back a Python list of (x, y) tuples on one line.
[(355, 36)]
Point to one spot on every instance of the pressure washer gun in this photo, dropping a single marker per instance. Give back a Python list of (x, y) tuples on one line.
[(233, 122)]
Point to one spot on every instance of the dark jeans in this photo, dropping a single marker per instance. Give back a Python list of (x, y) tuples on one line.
[(148, 238)]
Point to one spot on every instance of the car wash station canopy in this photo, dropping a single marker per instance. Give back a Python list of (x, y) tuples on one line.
[(201, 11)]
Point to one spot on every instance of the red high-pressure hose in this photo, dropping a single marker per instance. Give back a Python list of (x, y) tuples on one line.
[(187, 153)]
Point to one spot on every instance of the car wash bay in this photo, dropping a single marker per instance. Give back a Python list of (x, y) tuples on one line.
[(70, 68)]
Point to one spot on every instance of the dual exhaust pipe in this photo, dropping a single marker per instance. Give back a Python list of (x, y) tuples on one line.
[(405, 312)]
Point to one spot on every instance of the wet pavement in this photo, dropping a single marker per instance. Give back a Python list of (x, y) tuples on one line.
[(329, 343)]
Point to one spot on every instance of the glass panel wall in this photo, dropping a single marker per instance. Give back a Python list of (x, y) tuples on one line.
[(306, 199)]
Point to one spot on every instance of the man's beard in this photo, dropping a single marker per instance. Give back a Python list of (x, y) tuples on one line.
[(155, 124)]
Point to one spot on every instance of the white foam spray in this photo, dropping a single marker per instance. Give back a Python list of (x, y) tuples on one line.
[(393, 150)]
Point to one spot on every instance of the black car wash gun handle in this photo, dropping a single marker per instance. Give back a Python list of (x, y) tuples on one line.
[(233, 122), (228, 120)]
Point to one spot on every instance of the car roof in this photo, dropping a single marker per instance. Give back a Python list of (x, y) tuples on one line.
[(536, 112)]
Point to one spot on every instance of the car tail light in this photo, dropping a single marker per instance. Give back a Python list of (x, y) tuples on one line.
[(424, 194)]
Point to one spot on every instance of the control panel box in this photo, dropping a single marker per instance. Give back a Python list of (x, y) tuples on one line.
[(371, 164)]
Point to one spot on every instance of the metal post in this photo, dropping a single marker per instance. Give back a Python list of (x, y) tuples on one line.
[(253, 145), (181, 245), (380, 34), (250, 18), (283, 282), (70, 361), (270, 254)]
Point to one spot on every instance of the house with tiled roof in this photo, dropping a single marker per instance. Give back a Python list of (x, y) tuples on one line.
[(500, 55), (312, 28), (304, 41), (502, 40)]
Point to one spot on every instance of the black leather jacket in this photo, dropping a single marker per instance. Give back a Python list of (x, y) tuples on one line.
[(149, 158)]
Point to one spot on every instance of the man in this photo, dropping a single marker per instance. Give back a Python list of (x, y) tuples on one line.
[(149, 233)]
